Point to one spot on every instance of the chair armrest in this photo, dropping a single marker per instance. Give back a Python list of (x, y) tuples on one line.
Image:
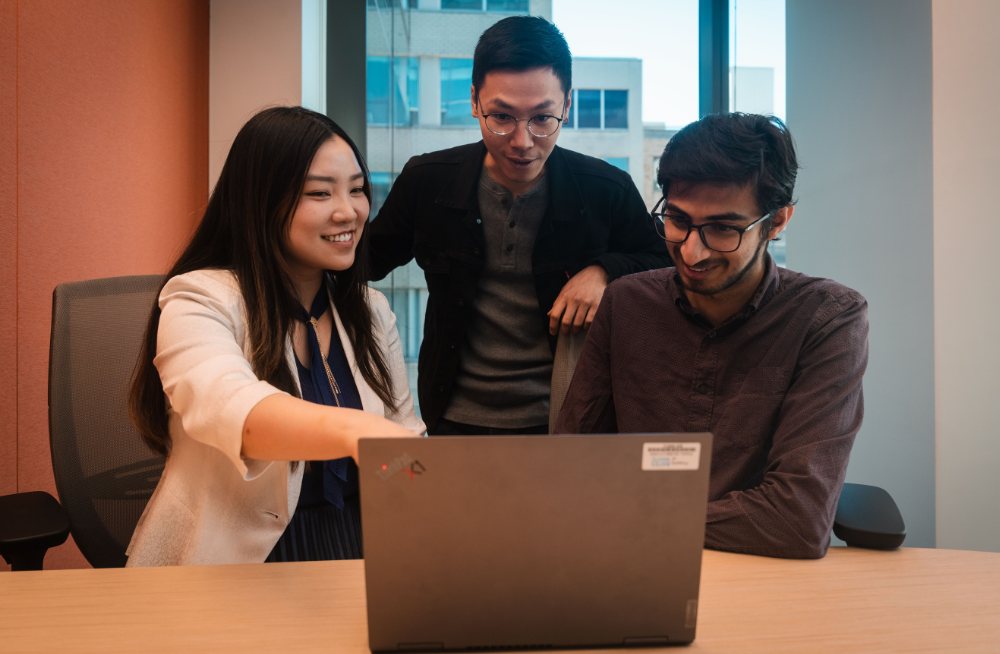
[(868, 517), (30, 523)]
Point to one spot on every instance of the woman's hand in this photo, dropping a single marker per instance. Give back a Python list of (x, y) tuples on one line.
[(284, 428)]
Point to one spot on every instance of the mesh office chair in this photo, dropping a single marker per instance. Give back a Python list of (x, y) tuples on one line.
[(104, 472)]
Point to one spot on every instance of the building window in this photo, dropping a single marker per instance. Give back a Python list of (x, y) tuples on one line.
[(618, 162), (588, 109), (381, 183), (509, 6), (512, 6), (395, 92), (598, 109), (616, 110), (456, 81), (468, 5)]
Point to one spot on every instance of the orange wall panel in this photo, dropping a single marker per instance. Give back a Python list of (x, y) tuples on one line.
[(8, 249), (112, 143)]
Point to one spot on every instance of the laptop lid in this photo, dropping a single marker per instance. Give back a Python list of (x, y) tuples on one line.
[(559, 541)]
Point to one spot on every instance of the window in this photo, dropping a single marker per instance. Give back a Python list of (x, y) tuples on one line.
[(618, 162), (456, 81), (757, 70), (588, 109), (394, 92), (757, 57), (468, 5), (513, 6), (616, 110), (510, 6), (597, 109), (620, 57), (381, 183)]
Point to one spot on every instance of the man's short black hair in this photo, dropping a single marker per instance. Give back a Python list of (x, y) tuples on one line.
[(734, 148), (520, 43)]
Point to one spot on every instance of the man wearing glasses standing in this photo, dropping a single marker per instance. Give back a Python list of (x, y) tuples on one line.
[(517, 239), (768, 360)]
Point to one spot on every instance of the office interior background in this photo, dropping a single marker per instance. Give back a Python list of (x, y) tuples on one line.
[(116, 117)]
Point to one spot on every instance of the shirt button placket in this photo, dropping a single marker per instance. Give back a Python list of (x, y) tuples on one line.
[(702, 385)]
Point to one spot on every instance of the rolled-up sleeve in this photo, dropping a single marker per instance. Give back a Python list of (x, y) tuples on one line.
[(209, 383)]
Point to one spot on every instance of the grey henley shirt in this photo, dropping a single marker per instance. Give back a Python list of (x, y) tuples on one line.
[(505, 370)]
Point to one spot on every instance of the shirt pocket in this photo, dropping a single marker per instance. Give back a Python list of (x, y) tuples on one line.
[(764, 380), (432, 260)]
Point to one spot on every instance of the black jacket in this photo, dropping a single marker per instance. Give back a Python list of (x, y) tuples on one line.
[(595, 216)]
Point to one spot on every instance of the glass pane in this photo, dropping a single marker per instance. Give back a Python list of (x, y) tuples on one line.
[(456, 82), (639, 51), (382, 101), (470, 5), (571, 116), (618, 162), (616, 109), (757, 56), (380, 190), (641, 48), (419, 105), (378, 90), (519, 6), (757, 68), (407, 109), (588, 110)]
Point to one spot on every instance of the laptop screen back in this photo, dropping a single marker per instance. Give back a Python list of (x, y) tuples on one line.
[(482, 542)]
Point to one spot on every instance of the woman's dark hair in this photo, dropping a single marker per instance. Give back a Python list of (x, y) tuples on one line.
[(243, 231), (734, 148), (520, 43)]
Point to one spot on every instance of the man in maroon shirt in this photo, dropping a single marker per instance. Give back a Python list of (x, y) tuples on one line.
[(768, 360)]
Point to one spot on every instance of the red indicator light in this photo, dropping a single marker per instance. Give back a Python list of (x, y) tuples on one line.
[(383, 467)]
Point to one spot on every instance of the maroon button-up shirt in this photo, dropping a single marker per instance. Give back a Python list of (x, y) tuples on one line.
[(778, 385)]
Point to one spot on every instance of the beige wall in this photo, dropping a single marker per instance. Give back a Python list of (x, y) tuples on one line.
[(966, 38), (255, 62)]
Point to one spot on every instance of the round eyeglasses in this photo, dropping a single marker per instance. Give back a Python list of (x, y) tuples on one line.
[(502, 124), (715, 236)]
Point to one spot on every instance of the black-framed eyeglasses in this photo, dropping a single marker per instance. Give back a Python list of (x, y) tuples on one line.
[(715, 236), (541, 126)]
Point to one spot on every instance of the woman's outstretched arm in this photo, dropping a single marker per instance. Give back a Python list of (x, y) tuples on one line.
[(284, 428)]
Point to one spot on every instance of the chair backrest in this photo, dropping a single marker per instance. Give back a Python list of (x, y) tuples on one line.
[(104, 472)]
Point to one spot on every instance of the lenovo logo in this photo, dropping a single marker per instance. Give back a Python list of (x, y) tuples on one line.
[(404, 463)]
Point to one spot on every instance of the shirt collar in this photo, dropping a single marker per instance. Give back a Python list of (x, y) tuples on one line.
[(566, 200), (766, 290)]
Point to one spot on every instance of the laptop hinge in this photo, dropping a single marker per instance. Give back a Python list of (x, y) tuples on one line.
[(641, 641), (419, 647)]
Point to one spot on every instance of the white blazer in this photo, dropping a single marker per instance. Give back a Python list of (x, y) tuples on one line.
[(213, 505)]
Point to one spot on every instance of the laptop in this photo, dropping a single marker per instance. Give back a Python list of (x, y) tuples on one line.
[(496, 542)]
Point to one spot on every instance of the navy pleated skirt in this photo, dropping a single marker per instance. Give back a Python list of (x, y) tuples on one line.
[(322, 533)]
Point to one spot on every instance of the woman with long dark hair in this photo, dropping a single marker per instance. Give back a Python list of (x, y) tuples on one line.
[(267, 357)]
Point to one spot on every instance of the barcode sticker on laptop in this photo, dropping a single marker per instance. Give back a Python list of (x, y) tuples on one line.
[(671, 456)]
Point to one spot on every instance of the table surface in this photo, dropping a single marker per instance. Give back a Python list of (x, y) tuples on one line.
[(913, 600)]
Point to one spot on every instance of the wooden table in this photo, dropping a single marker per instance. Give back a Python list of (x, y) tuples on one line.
[(913, 600)]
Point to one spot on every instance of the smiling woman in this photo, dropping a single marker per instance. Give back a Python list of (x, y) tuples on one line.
[(266, 347)]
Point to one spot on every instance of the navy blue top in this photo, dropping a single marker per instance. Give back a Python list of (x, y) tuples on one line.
[(327, 482)]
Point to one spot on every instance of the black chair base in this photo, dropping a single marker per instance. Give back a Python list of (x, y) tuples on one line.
[(30, 523), (868, 517)]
